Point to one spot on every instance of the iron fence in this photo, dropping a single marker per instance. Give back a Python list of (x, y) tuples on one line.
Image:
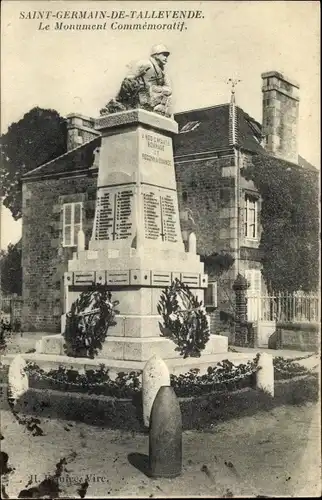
[(297, 307)]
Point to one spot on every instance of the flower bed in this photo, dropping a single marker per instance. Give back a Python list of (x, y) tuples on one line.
[(287, 368), (225, 391), (199, 412), (223, 376)]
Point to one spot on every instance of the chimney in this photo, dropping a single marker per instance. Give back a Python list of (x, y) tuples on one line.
[(80, 129), (280, 115)]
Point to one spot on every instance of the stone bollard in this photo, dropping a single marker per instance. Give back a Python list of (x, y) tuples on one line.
[(265, 376), (165, 438), (155, 375), (18, 382), (192, 243)]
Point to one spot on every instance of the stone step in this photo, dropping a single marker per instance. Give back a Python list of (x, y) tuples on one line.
[(177, 366), (134, 348)]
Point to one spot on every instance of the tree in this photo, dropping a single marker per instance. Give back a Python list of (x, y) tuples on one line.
[(11, 270), (290, 222), (40, 136), (217, 263)]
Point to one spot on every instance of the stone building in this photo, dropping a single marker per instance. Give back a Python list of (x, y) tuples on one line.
[(215, 201)]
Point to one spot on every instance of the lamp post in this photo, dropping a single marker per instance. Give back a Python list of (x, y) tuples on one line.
[(235, 143)]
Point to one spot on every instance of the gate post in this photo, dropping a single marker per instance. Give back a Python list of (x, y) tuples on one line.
[(240, 286)]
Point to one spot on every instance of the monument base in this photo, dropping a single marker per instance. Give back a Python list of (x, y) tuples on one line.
[(136, 248), (134, 349), (176, 366)]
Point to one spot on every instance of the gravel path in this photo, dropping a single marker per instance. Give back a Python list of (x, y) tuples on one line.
[(273, 454)]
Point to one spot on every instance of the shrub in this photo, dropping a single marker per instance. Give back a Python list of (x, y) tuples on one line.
[(224, 376), (6, 330), (88, 321), (289, 218), (287, 368)]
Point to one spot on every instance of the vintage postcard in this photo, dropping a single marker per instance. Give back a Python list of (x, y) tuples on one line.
[(159, 249)]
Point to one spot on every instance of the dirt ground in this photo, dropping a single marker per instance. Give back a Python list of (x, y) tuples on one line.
[(273, 454)]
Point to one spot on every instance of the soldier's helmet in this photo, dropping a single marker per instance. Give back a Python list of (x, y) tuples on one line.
[(159, 49)]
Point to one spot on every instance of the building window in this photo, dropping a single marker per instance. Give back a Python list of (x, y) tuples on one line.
[(72, 223), (250, 217), (210, 298), (189, 127)]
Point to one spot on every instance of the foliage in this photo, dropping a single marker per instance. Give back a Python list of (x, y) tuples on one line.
[(217, 263), (5, 332), (224, 376), (38, 137), (290, 221), (11, 270), (185, 320), (287, 368), (88, 321), (125, 385)]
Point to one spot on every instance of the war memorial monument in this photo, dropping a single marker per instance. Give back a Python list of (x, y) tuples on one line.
[(136, 248)]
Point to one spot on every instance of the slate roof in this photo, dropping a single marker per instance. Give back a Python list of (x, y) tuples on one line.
[(78, 159), (213, 133), (305, 164), (210, 132)]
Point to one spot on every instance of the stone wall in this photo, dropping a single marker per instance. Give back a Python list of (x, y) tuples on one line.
[(206, 192), (44, 259), (206, 202)]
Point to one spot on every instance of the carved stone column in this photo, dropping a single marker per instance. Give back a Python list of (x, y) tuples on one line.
[(240, 286)]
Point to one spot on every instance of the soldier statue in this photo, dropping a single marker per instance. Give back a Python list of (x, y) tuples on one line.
[(146, 86)]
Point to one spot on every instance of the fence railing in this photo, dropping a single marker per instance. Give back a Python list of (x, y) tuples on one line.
[(297, 307)]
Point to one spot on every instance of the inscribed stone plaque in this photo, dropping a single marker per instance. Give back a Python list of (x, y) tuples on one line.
[(156, 159), (161, 216), (169, 217), (114, 219), (152, 218)]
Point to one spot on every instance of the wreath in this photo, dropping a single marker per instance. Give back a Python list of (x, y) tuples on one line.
[(184, 319), (88, 321)]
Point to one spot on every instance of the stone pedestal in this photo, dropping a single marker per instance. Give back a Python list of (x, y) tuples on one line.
[(136, 246), (241, 330)]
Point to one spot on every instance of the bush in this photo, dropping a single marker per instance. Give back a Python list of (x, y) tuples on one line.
[(125, 385), (224, 376), (199, 412), (287, 368), (5, 332), (88, 321)]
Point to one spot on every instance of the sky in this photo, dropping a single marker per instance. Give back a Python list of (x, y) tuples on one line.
[(79, 71)]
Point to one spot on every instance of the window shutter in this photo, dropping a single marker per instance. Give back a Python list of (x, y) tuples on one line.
[(72, 222)]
